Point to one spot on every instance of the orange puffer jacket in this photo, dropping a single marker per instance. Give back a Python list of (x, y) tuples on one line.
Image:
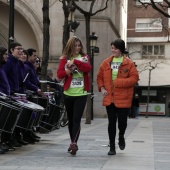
[(120, 91)]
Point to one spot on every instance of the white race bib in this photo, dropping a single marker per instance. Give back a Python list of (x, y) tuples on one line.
[(77, 82), (115, 66)]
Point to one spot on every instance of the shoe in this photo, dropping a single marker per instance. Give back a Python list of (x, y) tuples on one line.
[(35, 136), (44, 131), (9, 146), (4, 148), (22, 142), (35, 139), (1, 151), (121, 143), (73, 148), (30, 141), (112, 150), (14, 143), (31, 138)]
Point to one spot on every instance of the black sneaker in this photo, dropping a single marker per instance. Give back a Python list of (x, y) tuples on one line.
[(122, 143), (2, 151), (6, 149), (22, 142), (15, 144), (9, 146), (112, 150), (35, 136)]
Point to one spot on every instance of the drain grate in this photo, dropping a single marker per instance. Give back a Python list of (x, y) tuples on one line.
[(138, 141)]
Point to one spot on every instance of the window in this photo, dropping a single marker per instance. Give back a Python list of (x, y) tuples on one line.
[(153, 51), (148, 25), (147, 1)]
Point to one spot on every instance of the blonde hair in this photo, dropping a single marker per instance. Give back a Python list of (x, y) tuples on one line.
[(70, 47)]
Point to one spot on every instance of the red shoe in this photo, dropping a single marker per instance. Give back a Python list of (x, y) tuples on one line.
[(73, 148)]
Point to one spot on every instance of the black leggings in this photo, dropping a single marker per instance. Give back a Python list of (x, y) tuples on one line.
[(75, 107), (115, 113)]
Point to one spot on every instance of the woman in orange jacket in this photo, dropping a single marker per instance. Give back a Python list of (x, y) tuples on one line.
[(116, 79)]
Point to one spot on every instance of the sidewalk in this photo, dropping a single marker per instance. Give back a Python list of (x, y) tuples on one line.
[(147, 148)]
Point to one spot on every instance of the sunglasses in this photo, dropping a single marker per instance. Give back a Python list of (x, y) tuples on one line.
[(37, 61)]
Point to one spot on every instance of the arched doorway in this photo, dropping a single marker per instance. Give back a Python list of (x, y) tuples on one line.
[(24, 31)]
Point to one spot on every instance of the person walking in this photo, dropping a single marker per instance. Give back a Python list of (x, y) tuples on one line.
[(74, 67), (136, 106), (116, 79)]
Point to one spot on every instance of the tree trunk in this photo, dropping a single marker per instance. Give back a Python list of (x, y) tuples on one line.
[(46, 40), (147, 105), (66, 31)]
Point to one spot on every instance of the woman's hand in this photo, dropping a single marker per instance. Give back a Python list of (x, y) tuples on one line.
[(70, 63), (68, 71), (104, 92)]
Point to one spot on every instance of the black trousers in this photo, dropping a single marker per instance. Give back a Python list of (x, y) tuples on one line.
[(115, 114), (75, 107)]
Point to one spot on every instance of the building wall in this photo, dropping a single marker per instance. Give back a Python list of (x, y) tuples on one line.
[(137, 39), (141, 12)]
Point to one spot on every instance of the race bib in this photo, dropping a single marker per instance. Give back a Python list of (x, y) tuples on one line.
[(77, 82), (115, 66)]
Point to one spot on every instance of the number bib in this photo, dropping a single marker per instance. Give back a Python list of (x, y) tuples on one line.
[(77, 82), (115, 66)]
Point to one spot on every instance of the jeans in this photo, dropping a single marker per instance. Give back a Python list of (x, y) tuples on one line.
[(137, 111), (114, 114), (75, 107)]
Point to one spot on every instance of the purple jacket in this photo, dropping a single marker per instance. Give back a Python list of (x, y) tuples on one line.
[(4, 85), (12, 70), (21, 77), (32, 82)]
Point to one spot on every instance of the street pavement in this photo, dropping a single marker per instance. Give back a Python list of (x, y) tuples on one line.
[(147, 148)]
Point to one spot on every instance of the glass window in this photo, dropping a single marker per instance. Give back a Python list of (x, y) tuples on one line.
[(149, 50), (153, 51), (144, 49), (148, 25), (156, 49), (147, 1), (162, 49)]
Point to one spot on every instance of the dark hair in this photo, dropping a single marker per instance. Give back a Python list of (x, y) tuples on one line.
[(119, 44), (12, 45), (3, 50), (25, 52), (38, 71), (30, 51)]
